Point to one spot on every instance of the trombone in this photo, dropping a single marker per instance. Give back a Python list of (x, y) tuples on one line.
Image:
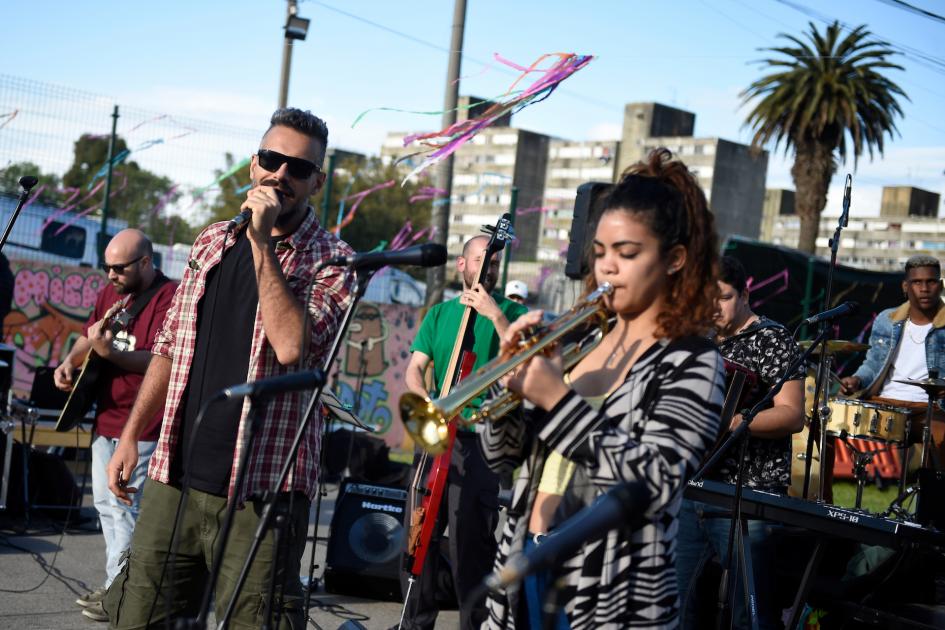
[(427, 421)]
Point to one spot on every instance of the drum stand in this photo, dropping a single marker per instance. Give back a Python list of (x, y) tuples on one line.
[(861, 459), (934, 387)]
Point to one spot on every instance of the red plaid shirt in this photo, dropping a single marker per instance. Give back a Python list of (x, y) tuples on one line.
[(298, 255)]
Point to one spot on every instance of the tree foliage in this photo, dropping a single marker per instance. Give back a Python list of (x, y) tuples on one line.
[(383, 212), (48, 185), (227, 202), (138, 196), (824, 90)]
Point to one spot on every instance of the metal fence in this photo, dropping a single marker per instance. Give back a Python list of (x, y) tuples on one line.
[(41, 122)]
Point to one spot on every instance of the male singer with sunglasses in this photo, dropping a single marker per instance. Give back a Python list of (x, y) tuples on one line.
[(124, 343), (239, 315)]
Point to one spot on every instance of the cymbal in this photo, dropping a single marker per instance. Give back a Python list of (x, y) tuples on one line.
[(836, 346), (930, 385)]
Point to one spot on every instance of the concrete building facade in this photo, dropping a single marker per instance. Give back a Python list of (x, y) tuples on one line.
[(570, 164), (908, 201), (484, 172), (650, 120), (731, 174), (905, 227)]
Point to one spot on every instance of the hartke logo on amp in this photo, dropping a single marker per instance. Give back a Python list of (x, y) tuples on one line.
[(366, 541), (380, 507)]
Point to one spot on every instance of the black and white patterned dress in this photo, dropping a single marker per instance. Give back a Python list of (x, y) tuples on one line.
[(767, 349), (654, 428)]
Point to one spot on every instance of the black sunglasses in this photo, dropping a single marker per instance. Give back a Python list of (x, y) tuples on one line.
[(298, 168), (120, 268)]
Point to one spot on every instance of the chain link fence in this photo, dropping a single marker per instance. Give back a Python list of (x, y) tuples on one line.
[(166, 165)]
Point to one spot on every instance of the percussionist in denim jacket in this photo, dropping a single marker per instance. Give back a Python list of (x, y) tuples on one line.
[(906, 343)]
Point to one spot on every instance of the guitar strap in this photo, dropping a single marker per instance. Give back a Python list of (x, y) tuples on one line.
[(138, 304), (145, 296)]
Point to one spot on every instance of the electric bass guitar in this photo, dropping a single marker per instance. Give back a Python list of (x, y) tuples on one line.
[(463, 359)]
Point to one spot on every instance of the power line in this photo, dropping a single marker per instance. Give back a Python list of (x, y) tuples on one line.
[(936, 64), (791, 27), (422, 42), (905, 6)]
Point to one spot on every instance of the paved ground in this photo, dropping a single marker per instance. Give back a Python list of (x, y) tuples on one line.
[(42, 570)]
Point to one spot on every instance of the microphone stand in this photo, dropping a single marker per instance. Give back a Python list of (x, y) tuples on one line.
[(363, 277), (359, 390), (26, 182), (819, 415), (252, 426), (726, 587)]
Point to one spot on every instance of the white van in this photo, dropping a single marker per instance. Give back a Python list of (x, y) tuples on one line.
[(76, 242)]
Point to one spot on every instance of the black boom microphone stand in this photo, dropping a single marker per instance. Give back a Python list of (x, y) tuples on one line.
[(726, 587), (26, 182), (364, 265), (821, 414), (621, 507)]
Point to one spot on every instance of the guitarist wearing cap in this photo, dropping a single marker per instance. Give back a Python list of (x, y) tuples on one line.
[(470, 498), (128, 313)]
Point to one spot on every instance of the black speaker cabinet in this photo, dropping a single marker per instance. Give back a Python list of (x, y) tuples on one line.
[(930, 509), (366, 541), (583, 221)]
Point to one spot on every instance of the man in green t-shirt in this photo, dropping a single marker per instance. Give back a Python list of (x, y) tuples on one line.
[(470, 499)]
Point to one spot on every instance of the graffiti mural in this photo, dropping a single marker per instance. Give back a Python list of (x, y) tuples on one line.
[(369, 375), (50, 304)]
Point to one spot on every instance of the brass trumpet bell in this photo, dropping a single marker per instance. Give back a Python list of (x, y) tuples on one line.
[(428, 421), (424, 423)]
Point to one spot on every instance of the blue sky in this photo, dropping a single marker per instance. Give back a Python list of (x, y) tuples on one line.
[(221, 61)]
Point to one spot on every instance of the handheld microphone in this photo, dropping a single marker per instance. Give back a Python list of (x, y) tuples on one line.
[(847, 308), (426, 255), (620, 507), (240, 220), (275, 385), (847, 189)]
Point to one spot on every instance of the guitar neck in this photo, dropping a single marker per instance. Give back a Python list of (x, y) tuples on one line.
[(449, 379)]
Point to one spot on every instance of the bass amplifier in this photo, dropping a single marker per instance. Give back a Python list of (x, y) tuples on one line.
[(366, 541)]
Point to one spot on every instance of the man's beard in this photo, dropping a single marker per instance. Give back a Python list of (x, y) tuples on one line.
[(470, 279), (125, 289), (288, 215)]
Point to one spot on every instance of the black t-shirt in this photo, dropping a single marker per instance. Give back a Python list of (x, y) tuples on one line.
[(767, 349), (226, 316)]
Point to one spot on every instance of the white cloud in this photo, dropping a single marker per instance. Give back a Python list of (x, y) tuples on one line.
[(229, 107)]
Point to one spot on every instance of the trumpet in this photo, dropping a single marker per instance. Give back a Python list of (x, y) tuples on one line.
[(427, 421)]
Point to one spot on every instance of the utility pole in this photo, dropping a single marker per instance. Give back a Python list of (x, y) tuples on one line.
[(103, 231), (295, 28), (440, 218)]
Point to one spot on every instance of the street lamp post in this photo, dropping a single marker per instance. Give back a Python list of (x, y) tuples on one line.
[(295, 28)]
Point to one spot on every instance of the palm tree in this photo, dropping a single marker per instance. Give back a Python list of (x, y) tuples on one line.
[(824, 90)]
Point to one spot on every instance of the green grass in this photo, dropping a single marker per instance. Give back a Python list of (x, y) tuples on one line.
[(874, 499), (400, 456)]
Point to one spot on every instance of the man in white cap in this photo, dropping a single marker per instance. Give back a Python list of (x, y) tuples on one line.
[(517, 291)]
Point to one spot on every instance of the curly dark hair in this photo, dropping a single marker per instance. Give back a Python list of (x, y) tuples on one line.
[(665, 196), (304, 122)]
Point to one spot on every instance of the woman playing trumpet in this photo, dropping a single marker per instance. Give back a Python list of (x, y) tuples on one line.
[(643, 405)]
